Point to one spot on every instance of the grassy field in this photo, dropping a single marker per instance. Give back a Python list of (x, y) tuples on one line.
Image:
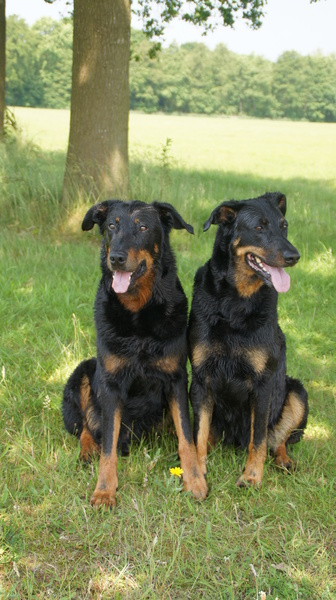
[(159, 543)]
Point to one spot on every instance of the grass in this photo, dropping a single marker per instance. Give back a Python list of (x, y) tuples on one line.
[(160, 543)]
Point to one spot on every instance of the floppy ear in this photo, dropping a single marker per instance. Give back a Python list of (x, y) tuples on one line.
[(96, 214), (224, 213), (170, 218)]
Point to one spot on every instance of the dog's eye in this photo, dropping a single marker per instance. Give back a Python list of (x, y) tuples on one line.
[(143, 228), (285, 225), (112, 226), (259, 228)]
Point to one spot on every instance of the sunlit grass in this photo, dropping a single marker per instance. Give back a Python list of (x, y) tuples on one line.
[(259, 147)]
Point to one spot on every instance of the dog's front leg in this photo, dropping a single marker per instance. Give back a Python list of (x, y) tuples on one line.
[(193, 478), (107, 484), (202, 404), (257, 448)]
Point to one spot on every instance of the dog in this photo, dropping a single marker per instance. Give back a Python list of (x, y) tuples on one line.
[(240, 391), (141, 323)]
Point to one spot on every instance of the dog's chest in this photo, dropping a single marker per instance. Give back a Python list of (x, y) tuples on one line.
[(236, 358)]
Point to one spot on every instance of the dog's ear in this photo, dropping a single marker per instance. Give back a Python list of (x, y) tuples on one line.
[(224, 213), (277, 199), (170, 218), (96, 214), (281, 202)]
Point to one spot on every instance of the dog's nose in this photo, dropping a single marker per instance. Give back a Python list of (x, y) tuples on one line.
[(118, 259), (291, 257)]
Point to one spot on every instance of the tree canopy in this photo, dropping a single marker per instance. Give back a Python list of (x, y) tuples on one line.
[(189, 78), (155, 14), (39, 59)]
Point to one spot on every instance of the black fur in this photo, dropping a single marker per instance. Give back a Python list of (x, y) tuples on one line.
[(237, 348), (140, 368)]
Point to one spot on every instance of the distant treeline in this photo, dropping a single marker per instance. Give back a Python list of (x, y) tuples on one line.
[(189, 78)]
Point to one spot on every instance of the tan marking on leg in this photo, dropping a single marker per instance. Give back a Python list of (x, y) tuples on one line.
[(85, 393), (203, 436), (291, 417), (282, 459), (193, 478), (168, 364), (254, 467), (89, 448), (105, 492), (257, 357), (93, 420), (114, 363)]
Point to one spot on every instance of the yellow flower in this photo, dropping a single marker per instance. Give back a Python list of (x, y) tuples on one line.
[(177, 471)]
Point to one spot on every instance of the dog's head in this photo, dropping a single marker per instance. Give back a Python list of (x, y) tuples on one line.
[(135, 235), (254, 235)]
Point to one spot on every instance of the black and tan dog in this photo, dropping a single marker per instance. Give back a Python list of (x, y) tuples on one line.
[(239, 388), (141, 323)]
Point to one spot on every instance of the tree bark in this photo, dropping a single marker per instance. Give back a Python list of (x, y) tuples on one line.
[(97, 159), (2, 64)]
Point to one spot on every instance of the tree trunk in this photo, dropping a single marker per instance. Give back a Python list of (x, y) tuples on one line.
[(2, 64), (97, 159)]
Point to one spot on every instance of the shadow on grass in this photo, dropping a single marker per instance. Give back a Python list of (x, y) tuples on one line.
[(311, 203)]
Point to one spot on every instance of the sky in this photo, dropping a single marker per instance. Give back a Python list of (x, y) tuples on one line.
[(287, 25)]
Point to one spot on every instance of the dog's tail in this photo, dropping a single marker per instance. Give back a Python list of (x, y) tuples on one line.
[(79, 383)]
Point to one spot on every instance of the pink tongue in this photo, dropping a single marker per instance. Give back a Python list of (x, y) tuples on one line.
[(121, 281), (280, 278)]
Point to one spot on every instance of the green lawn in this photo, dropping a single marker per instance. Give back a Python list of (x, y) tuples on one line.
[(159, 543)]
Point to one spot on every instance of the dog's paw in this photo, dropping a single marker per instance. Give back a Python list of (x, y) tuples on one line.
[(87, 456), (247, 479), (288, 465), (197, 485), (103, 498)]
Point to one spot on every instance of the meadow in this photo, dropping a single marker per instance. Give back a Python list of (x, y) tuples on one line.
[(159, 543)]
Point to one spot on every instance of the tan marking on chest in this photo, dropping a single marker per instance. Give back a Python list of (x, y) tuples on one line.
[(114, 363), (257, 357), (199, 354), (168, 364)]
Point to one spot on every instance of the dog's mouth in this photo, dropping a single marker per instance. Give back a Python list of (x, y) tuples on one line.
[(272, 276), (122, 281)]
